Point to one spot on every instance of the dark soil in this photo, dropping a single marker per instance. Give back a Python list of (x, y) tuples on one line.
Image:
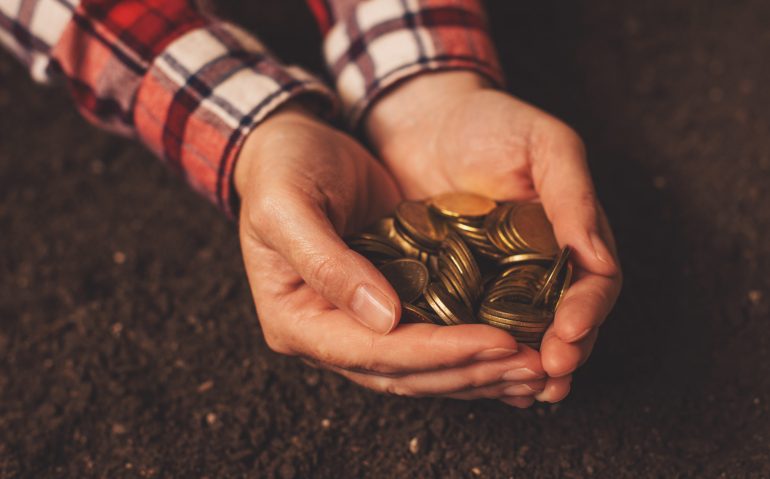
[(129, 346)]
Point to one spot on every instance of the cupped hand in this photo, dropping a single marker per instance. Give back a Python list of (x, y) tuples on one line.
[(448, 131), (302, 185)]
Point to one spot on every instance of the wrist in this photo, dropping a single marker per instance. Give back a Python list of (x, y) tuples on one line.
[(412, 101), (292, 113)]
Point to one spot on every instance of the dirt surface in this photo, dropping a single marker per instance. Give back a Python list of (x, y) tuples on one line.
[(129, 346)]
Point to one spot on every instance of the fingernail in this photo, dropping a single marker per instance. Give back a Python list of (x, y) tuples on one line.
[(373, 308), (521, 389), (576, 337), (600, 249), (520, 374), (494, 353)]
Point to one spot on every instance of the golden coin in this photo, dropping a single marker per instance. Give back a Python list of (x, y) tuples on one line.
[(408, 277), (418, 223), (450, 276), (553, 274), (455, 253), (532, 228), (447, 307), (562, 284), (525, 258), (407, 246), (411, 313), (458, 204), (514, 313), (470, 230)]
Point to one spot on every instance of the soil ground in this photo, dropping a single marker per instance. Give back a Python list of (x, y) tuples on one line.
[(129, 346)]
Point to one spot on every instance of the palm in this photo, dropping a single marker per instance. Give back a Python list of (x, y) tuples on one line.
[(491, 143), (483, 143)]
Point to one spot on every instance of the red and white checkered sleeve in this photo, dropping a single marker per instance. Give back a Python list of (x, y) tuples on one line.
[(30, 28), (371, 45), (189, 86)]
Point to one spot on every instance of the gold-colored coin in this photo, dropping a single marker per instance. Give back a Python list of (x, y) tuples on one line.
[(420, 225), (532, 228), (494, 226), (464, 205), (515, 313), (447, 308), (408, 277), (377, 248), (563, 283), (411, 313), (525, 258), (553, 274)]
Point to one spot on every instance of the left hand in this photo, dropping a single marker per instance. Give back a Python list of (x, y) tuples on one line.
[(449, 131)]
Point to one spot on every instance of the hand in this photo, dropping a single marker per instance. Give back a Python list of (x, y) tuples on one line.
[(448, 131), (302, 184)]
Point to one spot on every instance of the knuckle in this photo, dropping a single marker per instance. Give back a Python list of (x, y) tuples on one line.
[(274, 340), (276, 344), (263, 210)]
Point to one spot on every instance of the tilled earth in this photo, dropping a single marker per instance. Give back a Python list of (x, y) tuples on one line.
[(129, 346)]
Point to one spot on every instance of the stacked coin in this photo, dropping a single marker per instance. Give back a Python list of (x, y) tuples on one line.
[(461, 258)]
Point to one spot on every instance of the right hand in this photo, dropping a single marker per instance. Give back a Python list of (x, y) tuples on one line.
[(302, 184)]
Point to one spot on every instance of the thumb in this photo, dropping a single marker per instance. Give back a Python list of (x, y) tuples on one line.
[(298, 228), (566, 190), (564, 185)]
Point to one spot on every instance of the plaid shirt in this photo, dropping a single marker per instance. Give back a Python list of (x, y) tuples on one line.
[(191, 87)]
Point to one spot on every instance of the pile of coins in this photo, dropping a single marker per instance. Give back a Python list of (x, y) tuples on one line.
[(461, 258)]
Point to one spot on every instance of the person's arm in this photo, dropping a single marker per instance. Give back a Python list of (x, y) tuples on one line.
[(189, 86), (421, 79), (208, 97)]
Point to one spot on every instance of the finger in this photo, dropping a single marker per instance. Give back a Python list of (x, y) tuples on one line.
[(555, 390), (585, 305), (334, 337), (519, 402), (297, 227), (505, 390), (522, 370), (561, 358), (563, 181), (400, 386)]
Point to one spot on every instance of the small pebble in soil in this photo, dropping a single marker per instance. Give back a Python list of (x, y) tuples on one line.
[(211, 418), (116, 329), (414, 445), (119, 257), (326, 424), (205, 386), (476, 471), (755, 296)]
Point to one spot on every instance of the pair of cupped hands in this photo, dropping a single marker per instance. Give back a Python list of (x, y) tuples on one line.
[(304, 184)]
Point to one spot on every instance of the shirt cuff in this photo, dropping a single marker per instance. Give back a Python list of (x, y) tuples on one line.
[(204, 94), (31, 28), (380, 43)]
